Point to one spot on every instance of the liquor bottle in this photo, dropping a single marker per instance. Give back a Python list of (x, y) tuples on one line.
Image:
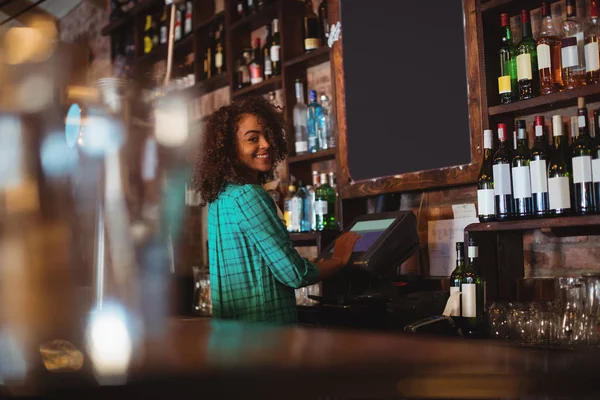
[(241, 9), (507, 81), (538, 167), (323, 24), (219, 64), (548, 52), (323, 125), (472, 293), (310, 28), (572, 49), (527, 61), (596, 159), (148, 35), (312, 216), (243, 70), (456, 278), (486, 205), (581, 153), (208, 56), (314, 111), (287, 207), (266, 50), (325, 204), (252, 6), (559, 173), (164, 27), (592, 50), (298, 208), (178, 21), (501, 170), (521, 177), (300, 120), (256, 72), (187, 26), (275, 49)]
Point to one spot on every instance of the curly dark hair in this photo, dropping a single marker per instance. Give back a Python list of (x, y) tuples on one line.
[(218, 164)]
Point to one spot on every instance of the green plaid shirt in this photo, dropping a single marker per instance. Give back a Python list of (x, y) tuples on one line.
[(254, 266)]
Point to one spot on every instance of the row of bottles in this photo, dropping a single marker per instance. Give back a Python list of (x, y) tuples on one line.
[(563, 57), (312, 122), (542, 181), (213, 59), (468, 313), (156, 27), (311, 207), (260, 63)]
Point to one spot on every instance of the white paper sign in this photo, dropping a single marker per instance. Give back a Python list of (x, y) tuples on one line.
[(442, 237), (464, 211)]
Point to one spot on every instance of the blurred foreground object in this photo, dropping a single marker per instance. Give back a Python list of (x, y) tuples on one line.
[(60, 355)]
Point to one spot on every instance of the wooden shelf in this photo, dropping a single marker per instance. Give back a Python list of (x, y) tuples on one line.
[(211, 20), (322, 155), (261, 18), (511, 7), (310, 59), (212, 84), (558, 226), (548, 102), (260, 88)]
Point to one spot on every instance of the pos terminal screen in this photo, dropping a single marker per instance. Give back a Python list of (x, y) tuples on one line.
[(369, 232)]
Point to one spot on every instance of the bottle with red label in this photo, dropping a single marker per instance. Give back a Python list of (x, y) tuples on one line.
[(256, 66)]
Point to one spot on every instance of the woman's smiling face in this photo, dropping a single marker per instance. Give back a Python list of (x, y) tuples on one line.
[(253, 147)]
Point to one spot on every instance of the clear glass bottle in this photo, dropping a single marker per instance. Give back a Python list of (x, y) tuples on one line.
[(324, 125), (288, 210), (314, 111), (548, 52), (572, 49), (300, 120)]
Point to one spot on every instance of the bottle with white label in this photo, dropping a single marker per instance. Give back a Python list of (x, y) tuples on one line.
[(325, 198), (538, 168), (592, 50), (527, 62), (275, 49), (300, 120), (573, 49), (502, 180), (456, 277), (521, 177), (312, 216), (472, 294), (581, 161), (187, 26), (486, 207), (548, 52), (559, 173), (596, 159)]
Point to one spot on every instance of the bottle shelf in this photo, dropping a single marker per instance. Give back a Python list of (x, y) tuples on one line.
[(259, 19), (322, 155), (548, 102), (310, 59), (215, 18), (553, 226), (511, 7), (260, 88)]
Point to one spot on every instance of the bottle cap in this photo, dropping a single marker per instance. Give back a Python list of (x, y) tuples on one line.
[(525, 16), (557, 125), (504, 20), (502, 132)]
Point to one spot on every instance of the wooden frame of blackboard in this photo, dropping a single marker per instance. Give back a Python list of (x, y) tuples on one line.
[(477, 100)]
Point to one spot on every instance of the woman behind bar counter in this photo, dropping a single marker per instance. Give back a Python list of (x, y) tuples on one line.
[(254, 267)]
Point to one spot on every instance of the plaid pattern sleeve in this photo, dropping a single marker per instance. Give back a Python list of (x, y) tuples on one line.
[(254, 266)]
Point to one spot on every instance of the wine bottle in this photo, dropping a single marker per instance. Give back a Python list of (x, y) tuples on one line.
[(219, 65), (300, 120), (178, 21), (596, 159), (502, 183), (572, 49), (323, 24), (485, 182), (456, 278), (243, 71), (507, 81), (581, 153), (275, 48), (521, 177), (187, 25), (310, 28), (242, 9), (266, 50), (538, 167), (527, 61), (559, 174), (325, 204), (548, 52), (472, 293), (256, 72), (592, 50)]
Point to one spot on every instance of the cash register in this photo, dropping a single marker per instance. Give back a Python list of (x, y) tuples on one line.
[(368, 292)]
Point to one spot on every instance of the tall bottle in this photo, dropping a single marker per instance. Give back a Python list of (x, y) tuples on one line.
[(472, 293), (266, 50), (592, 50), (288, 210), (275, 49), (300, 120), (243, 70), (538, 167), (208, 56), (312, 217), (502, 183), (323, 21), (178, 23), (486, 206), (324, 133), (521, 177), (325, 205), (527, 62), (581, 153), (559, 173), (314, 111), (310, 27), (219, 64), (256, 66), (456, 277), (572, 49), (299, 211), (187, 25), (507, 81), (596, 159), (548, 52)]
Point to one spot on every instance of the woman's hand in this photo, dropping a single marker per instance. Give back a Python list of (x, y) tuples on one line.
[(344, 246)]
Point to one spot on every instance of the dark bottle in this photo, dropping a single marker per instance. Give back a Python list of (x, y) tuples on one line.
[(209, 56), (323, 24), (596, 159), (266, 56), (502, 181), (243, 70), (472, 294), (242, 9), (581, 153), (456, 278), (275, 49), (507, 81), (252, 6), (521, 177), (486, 207), (538, 167), (310, 28), (527, 61), (559, 173), (219, 64)]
